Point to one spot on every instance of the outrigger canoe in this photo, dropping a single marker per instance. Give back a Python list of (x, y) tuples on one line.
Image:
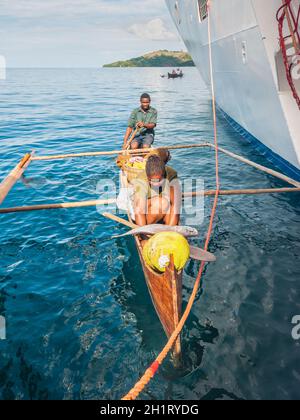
[(165, 290)]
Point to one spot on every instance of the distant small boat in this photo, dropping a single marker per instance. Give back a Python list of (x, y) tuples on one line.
[(175, 76)]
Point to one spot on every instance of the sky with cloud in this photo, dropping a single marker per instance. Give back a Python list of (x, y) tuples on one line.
[(83, 33)]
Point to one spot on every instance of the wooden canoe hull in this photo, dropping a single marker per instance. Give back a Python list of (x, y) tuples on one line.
[(165, 291), (175, 76)]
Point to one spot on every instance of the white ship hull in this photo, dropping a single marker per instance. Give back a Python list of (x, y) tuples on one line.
[(251, 85)]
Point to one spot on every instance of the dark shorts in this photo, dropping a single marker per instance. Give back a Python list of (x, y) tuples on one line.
[(146, 140)]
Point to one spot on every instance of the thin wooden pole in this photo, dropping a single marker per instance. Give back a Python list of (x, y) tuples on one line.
[(243, 192), (55, 206), (8, 183), (94, 203), (119, 220), (118, 152), (259, 167), (179, 147)]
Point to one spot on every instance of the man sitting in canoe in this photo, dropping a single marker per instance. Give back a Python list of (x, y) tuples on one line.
[(157, 198), (144, 119)]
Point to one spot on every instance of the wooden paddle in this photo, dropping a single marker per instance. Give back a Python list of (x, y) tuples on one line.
[(131, 138), (119, 220), (197, 254)]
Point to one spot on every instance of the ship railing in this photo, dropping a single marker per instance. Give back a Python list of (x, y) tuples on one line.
[(288, 17)]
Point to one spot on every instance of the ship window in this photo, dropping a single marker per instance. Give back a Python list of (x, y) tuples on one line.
[(202, 8), (177, 12)]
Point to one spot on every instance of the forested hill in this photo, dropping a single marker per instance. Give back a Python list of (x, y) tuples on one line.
[(161, 58)]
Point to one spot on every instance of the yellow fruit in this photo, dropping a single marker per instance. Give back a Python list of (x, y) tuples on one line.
[(139, 165), (136, 165), (160, 247)]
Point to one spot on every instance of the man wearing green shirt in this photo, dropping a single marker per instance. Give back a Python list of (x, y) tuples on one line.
[(145, 119)]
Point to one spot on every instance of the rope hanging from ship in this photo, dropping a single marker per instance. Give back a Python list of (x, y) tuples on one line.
[(152, 370), (284, 15)]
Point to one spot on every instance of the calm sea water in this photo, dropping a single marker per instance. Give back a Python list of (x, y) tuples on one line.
[(80, 323)]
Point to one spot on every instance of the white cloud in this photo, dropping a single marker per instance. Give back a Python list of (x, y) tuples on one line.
[(154, 30)]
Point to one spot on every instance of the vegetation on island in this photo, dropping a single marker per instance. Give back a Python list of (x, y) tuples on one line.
[(162, 58)]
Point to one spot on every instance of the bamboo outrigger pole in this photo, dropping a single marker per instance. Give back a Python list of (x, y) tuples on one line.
[(259, 191), (12, 178), (118, 152), (179, 147), (55, 206), (259, 167), (94, 203), (8, 183)]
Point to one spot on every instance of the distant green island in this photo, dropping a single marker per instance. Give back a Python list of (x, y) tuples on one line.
[(162, 58)]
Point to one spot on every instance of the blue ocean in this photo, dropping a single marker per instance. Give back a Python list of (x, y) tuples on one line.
[(79, 320)]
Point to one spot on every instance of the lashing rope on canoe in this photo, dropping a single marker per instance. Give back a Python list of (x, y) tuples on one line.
[(152, 370)]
